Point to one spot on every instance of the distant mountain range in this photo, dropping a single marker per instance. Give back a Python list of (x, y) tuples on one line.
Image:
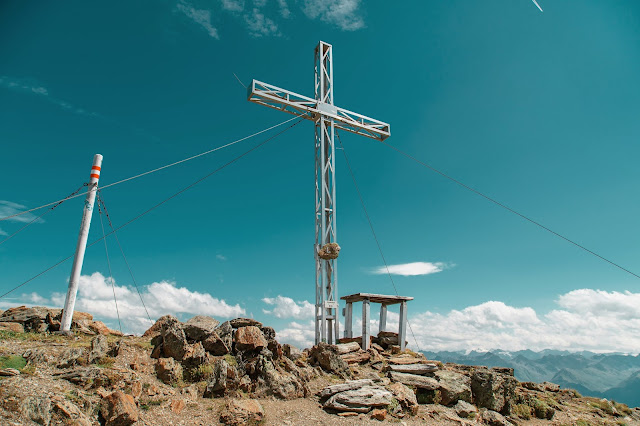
[(613, 376)]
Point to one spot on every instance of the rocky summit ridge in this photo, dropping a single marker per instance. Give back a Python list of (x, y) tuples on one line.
[(203, 372)]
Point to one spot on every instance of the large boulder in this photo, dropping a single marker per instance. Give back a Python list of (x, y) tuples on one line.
[(225, 332), (222, 380), (342, 387), (327, 357), (36, 409), (419, 382), (168, 370), (174, 341), (453, 387), (280, 383), (16, 327), (249, 338), (199, 327), (118, 409), (405, 396), (194, 355), (291, 352), (242, 412), (32, 319), (493, 390), (215, 345), (159, 325)]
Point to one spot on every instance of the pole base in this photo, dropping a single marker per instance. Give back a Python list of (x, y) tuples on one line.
[(67, 333)]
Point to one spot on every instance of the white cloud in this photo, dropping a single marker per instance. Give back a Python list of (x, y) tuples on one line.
[(8, 208), (221, 257), (588, 319), (284, 9), (297, 334), (412, 269), (286, 307), (233, 5), (2, 233), (343, 13), (35, 88), (95, 295), (201, 17), (259, 25)]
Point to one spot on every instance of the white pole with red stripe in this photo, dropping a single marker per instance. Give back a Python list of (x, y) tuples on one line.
[(70, 301)]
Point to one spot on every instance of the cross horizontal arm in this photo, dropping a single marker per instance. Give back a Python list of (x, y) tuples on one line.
[(311, 109)]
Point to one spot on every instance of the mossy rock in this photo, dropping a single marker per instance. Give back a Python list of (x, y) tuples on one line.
[(13, 361)]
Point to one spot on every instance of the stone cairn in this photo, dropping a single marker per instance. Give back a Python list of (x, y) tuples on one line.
[(235, 357)]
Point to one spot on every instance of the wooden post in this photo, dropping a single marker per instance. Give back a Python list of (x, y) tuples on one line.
[(383, 317), (348, 321), (366, 328), (402, 328)]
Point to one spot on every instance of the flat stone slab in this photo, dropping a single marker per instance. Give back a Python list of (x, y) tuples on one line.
[(360, 400), (406, 359), (342, 387), (420, 382), (345, 348), (419, 369)]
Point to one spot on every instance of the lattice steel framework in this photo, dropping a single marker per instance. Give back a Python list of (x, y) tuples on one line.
[(327, 118)]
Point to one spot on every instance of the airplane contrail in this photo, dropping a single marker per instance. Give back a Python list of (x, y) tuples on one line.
[(536, 3)]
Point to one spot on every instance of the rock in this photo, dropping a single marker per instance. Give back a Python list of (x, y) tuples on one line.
[(345, 348), (405, 359), (405, 396), (222, 379), (225, 332), (359, 357), (8, 372), (101, 328), (269, 333), (244, 322), (419, 369), (177, 405), (199, 327), (32, 319), (465, 410), (420, 382), (493, 390), (377, 347), (551, 387), (37, 409), (99, 348), (249, 338), (532, 386), (136, 389), (281, 384), (493, 418), (158, 326), (69, 412), (326, 356), (118, 409), (242, 412), (168, 370), (174, 341), (37, 356), (15, 327), (359, 400), (215, 345), (291, 352), (92, 376), (378, 414), (348, 385), (453, 387), (194, 355), (348, 414), (503, 370), (71, 357)]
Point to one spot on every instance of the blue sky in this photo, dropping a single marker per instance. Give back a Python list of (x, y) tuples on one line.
[(536, 109)]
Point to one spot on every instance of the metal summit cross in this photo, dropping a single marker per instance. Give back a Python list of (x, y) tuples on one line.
[(327, 118)]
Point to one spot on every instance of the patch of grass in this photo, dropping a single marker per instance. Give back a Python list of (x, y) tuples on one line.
[(13, 361), (542, 410), (200, 373), (522, 410), (582, 422), (231, 360), (105, 362), (74, 397), (29, 370), (623, 408), (603, 405), (144, 345), (393, 406)]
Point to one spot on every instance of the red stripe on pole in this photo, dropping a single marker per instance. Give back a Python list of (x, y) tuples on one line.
[(95, 168), (93, 175)]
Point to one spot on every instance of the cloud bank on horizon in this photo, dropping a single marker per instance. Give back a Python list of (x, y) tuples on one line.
[(585, 319)]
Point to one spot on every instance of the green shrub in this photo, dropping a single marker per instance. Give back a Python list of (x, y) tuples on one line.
[(13, 361), (542, 410), (522, 410)]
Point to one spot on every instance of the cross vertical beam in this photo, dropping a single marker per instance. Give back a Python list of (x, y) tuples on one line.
[(326, 323), (327, 117)]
